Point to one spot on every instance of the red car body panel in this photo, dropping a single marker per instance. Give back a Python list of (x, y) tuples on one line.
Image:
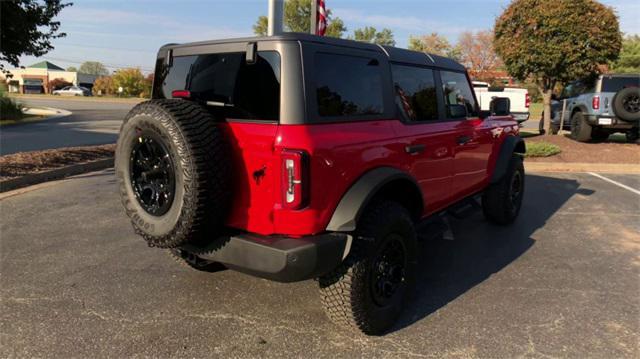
[(340, 153)]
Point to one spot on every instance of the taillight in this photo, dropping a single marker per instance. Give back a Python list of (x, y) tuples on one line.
[(295, 179), (527, 101), (180, 93), (595, 102)]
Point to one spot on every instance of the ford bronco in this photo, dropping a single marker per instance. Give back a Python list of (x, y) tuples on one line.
[(296, 157)]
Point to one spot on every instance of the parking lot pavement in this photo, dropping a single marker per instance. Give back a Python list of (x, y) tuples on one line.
[(562, 282)]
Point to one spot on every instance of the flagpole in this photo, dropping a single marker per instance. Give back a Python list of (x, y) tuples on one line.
[(314, 17), (276, 14)]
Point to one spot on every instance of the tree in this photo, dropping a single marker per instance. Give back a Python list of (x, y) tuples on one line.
[(72, 69), (131, 80), (103, 86), (27, 28), (555, 41), (93, 68), (371, 35), (432, 44), (148, 83), (477, 54), (629, 61), (58, 83), (297, 18)]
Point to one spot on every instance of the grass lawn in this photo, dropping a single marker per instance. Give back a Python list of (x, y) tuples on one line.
[(542, 149)]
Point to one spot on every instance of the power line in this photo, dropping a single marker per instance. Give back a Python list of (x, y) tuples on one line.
[(107, 48)]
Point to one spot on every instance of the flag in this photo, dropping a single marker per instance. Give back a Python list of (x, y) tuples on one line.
[(321, 27)]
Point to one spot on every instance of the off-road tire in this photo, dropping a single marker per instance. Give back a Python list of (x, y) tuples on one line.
[(498, 204), (347, 294), (198, 152), (626, 104), (580, 129), (599, 134), (188, 260), (633, 135)]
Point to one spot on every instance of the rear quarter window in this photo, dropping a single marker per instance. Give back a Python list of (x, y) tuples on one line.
[(348, 86), (226, 83), (615, 84)]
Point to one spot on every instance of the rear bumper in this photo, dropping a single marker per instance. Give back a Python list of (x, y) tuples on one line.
[(608, 121), (520, 116), (281, 259)]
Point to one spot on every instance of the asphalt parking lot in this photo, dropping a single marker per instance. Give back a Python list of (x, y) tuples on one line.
[(563, 281)]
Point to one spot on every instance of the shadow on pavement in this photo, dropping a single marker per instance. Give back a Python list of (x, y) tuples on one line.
[(449, 268)]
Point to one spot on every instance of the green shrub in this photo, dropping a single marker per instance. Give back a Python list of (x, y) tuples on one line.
[(542, 149), (9, 109)]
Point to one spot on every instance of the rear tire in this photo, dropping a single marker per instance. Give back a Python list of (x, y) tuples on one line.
[(580, 129), (189, 260), (172, 169), (369, 290), (502, 200)]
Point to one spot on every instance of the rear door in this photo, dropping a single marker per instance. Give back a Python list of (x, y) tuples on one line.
[(427, 136)]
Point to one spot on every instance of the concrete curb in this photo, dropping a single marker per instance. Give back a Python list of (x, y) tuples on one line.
[(56, 174), (581, 167), (49, 112)]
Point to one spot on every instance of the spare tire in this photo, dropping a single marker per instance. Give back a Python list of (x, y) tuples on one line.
[(173, 172), (626, 104)]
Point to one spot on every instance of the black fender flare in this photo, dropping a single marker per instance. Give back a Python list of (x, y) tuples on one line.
[(510, 145), (358, 196)]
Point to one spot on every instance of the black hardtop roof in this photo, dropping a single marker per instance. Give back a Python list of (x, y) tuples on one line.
[(393, 53)]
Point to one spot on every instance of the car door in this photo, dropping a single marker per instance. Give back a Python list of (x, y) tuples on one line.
[(427, 138), (473, 138)]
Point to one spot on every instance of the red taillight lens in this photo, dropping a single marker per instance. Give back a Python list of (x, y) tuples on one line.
[(180, 93), (595, 102), (527, 101), (295, 179)]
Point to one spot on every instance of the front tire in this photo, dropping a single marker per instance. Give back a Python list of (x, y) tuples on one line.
[(502, 200), (580, 129), (369, 290)]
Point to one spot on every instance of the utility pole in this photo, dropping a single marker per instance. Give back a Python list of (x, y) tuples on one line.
[(276, 15)]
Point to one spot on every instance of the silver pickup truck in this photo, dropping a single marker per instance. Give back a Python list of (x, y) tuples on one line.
[(599, 107)]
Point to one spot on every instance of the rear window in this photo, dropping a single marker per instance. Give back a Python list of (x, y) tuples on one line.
[(348, 85), (615, 84), (225, 82), (457, 92), (415, 93)]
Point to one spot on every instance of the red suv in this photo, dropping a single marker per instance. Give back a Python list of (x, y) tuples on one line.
[(296, 156)]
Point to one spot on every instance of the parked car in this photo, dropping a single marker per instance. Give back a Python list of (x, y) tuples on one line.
[(599, 107), (72, 91), (295, 157), (519, 97)]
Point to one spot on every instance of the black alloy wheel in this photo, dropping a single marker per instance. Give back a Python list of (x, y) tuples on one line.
[(152, 173), (515, 193), (388, 273), (631, 103)]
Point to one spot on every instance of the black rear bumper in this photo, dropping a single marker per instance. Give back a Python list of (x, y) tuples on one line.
[(282, 259)]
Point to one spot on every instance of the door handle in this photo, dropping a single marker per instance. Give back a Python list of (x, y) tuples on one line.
[(463, 139), (414, 149)]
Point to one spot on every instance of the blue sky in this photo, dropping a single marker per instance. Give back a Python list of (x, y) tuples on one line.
[(127, 33)]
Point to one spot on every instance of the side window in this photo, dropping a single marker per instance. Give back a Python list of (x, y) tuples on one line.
[(348, 85), (458, 96), (568, 91), (415, 93)]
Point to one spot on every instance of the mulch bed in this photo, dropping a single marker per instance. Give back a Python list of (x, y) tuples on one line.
[(610, 151), (25, 163)]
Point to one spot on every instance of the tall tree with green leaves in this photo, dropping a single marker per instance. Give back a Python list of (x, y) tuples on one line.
[(629, 61), (27, 27), (93, 68), (556, 41), (371, 35), (297, 18), (72, 69), (433, 43)]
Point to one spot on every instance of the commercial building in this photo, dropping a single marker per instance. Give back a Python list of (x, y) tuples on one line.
[(36, 78)]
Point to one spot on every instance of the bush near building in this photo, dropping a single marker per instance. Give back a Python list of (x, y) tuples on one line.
[(103, 86), (57, 84), (9, 109)]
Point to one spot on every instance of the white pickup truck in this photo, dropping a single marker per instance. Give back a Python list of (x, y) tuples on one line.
[(519, 97)]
